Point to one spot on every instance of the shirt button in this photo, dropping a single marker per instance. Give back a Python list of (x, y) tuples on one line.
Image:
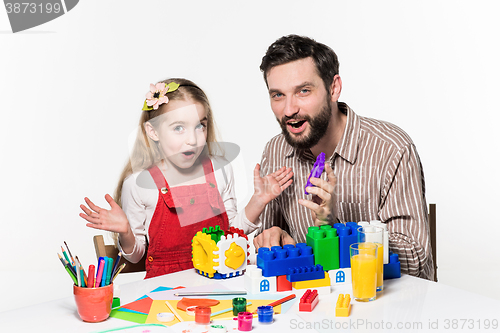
[(212, 185), (191, 201), (150, 259), (164, 190)]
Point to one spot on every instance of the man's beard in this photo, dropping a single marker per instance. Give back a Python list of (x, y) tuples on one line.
[(318, 126)]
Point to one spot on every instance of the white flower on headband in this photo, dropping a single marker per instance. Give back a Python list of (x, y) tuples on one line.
[(157, 95)]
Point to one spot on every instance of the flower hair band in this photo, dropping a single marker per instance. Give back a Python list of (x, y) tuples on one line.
[(157, 95)]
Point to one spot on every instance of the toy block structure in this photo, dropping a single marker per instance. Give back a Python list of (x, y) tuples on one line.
[(309, 284), (309, 300), (276, 260), (305, 273), (347, 234), (392, 270), (325, 245), (340, 276), (255, 283), (343, 307), (282, 284), (220, 254)]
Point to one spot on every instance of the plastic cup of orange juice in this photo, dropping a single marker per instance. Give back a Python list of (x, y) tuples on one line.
[(364, 271), (375, 235)]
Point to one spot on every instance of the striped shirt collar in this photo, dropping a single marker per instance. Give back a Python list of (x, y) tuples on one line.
[(347, 148)]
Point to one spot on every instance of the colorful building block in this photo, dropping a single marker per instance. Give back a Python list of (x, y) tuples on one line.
[(305, 273), (220, 254), (214, 232), (309, 301), (325, 245), (343, 307), (255, 283), (340, 276), (205, 255), (325, 282), (347, 234), (232, 254), (282, 284), (276, 260), (392, 270)]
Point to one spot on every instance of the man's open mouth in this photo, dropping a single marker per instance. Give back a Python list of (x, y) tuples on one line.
[(296, 123)]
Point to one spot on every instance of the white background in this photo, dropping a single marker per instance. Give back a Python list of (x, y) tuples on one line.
[(72, 89)]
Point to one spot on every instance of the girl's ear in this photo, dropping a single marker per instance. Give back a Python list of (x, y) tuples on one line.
[(151, 132)]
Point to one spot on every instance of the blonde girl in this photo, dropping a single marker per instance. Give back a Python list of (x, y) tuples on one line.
[(175, 184)]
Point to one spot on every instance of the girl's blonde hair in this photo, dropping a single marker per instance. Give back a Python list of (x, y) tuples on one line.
[(146, 153)]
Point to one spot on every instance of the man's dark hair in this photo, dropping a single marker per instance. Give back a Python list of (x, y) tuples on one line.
[(292, 47)]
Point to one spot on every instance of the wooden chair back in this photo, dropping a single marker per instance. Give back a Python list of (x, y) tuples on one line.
[(102, 250)]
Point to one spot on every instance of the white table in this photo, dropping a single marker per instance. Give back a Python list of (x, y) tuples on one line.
[(414, 303)]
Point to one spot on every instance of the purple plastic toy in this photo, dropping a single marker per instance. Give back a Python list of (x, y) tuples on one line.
[(317, 170)]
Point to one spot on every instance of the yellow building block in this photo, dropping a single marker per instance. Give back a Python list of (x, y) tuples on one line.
[(311, 284), (204, 249), (343, 306)]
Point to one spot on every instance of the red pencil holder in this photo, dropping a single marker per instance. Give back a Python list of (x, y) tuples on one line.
[(93, 304)]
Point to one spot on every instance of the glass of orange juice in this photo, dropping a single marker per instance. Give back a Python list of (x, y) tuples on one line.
[(364, 271), (375, 235)]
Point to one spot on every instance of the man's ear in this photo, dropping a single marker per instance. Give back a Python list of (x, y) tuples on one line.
[(336, 88), (150, 131)]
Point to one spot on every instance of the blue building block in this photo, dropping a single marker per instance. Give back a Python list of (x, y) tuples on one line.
[(348, 234), (305, 273), (392, 270), (277, 260)]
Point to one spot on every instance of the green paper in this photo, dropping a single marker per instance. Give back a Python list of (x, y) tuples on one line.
[(129, 316)]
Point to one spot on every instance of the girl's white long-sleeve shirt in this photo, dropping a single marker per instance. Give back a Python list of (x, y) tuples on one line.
[(140, 196)]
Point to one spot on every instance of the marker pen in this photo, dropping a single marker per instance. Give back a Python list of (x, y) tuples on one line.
[(91, 278), (99, 273)]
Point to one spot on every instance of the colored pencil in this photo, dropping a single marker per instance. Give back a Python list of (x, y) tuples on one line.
[(211, 293), (65, 255), (118, 271), (71, 274), (179, 318), (78, 278), (118, 257), (83, 270), (70, 255)]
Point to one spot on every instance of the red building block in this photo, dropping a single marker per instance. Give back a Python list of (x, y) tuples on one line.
[(282, 284), (309, 300)]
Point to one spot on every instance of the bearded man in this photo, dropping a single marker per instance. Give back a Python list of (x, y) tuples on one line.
[(373, 171)]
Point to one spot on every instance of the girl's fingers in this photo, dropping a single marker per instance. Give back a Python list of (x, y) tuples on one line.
[(92, 206), (93, 220)]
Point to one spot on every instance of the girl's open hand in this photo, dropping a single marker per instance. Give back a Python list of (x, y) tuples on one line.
[(270, 187), (99, 218)]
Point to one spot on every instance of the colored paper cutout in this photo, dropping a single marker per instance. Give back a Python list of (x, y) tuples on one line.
[(185, 302), (158, 307), (142, 305), (130, 316)]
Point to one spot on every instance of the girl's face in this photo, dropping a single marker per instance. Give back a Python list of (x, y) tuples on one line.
[(182, 132)]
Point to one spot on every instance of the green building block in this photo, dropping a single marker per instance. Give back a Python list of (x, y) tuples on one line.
[(215, 233), (325, 245)]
